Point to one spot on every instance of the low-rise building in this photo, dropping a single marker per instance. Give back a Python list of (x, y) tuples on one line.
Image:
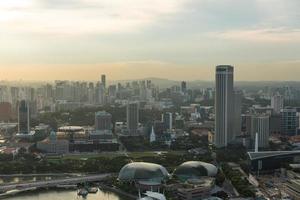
[(196, 188), (54, 146), (292, 188)]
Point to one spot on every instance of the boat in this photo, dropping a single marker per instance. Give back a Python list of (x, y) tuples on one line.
[(93, 190), (82, 192), (153, 196)]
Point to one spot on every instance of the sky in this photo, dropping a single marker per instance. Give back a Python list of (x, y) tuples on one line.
[(131, 39)]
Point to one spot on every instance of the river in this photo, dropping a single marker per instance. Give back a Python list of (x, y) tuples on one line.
[(65, 195)]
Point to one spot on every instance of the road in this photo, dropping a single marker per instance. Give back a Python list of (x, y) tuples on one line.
[(53, 183)]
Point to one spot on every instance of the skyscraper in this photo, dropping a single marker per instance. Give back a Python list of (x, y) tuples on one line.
[(103, 80), (183, 87), (101, 93), (277, 103), (260, 125), (237, 107), (132, 117), (224, 131), (23, 117)]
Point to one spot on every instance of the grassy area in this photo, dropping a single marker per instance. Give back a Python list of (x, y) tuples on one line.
[(137, 155), (84, 156), (134, 155)]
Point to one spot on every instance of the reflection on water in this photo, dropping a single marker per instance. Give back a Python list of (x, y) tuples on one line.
[(65, 195)]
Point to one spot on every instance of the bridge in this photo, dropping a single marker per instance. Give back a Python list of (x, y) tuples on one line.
[(53, 183)]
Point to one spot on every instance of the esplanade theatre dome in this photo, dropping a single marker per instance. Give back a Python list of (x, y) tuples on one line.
[(194, 170), (142, 171)]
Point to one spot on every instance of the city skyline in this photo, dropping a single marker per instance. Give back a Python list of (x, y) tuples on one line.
[(46, 40), (150, 99)]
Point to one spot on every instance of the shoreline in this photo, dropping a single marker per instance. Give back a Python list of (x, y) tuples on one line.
[(102, 187), (118, 191)]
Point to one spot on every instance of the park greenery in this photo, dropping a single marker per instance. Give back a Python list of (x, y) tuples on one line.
[(239, 181), (232, 153), (27, 163)]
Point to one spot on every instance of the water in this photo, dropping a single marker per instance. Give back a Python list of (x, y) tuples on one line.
[(24, 179), (65, 195)]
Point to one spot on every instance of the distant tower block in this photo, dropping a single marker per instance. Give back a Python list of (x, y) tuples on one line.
[(103, 80), (256, 142)]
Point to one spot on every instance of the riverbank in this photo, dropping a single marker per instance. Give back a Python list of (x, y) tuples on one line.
[(102, 187), (18, 191), (118, 191), (45, 174), (46, 194)]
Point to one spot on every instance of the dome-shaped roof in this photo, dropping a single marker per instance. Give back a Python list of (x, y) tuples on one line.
[(195, 169), (141, 171)]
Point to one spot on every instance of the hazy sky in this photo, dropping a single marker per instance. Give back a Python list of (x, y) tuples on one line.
[(175, 39)]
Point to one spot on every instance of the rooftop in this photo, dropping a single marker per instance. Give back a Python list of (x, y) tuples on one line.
[(267, 154), (70, 128)]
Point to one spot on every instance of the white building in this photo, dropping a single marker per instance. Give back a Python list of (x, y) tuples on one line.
[(277, 103)]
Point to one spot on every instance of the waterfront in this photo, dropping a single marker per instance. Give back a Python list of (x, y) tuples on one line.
[(24, 179), (65, 195)]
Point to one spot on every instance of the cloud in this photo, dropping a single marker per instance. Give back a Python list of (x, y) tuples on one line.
[(82, 16), (272, 35)]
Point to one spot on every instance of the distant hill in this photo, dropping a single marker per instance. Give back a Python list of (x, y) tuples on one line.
[(194, 84)]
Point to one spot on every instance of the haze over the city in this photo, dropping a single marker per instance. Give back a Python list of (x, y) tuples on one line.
[(174, 39)]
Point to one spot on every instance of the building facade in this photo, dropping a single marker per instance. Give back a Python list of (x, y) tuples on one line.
[(103, 80), (260, 124), (224, 131), (24, 117), (167, 119), (132, 117), (103, 121), (237, 113), (289, 121), (277, 103)]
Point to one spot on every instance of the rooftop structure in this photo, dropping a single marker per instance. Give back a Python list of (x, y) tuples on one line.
[(268, 161), (195, 170), (70, 129), (142, 171), (268, 154)]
